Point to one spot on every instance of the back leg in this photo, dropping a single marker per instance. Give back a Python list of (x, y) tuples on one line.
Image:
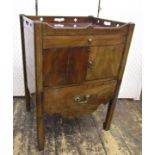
[(27, 97)]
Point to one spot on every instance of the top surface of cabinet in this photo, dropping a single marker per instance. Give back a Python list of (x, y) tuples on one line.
[(69, 25), (75, 22)]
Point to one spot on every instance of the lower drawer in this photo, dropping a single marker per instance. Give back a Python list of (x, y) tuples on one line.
[(77, 100)]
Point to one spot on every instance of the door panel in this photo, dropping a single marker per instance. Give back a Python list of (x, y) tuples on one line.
[(77, 68), (55, 61), (104, 62), (64, 65)]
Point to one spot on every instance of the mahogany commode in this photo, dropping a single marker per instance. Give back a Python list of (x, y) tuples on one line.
[(73, 64)]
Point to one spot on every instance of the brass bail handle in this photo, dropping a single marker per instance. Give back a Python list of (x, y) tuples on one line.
[(84, 100)]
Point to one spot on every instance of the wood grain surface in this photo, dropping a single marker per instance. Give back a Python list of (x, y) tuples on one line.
[(39, 84), (97, 51), (60, 65), (74, 41), (105, 61), (62, 101), (82, 135)]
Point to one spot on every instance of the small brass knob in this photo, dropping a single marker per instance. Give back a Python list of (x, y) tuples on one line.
[(90, 62), (88, 96), (90, 40)]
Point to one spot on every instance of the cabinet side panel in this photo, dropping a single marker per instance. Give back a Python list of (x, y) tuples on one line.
[(30, 55), (112, 103), (126, 50)]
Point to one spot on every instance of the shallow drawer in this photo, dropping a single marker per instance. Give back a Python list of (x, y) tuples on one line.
[(76, 100), (54, 41)]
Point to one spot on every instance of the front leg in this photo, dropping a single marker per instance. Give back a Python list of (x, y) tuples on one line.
[(109, 115), (111, 108)]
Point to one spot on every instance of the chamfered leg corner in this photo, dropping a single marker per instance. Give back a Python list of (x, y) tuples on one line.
[(28, 100), (40, 133), (109, 115), (105, 127), (40, 146)]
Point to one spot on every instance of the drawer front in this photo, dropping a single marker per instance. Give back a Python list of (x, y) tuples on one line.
[(76, 100), (104, 62), (55, 41)]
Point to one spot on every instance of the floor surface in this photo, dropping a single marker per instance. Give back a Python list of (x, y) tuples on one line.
[(83, 135)]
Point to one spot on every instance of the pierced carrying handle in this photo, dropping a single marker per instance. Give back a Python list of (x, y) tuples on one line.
[(83, 100)]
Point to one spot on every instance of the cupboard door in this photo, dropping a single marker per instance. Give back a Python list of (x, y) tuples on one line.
[(104, 62), (77, 65), (64, 65), (55, 61)]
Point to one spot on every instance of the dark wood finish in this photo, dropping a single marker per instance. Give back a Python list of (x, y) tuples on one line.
[(60, 65), (87, 40), (112, 103), (39, 84), (62, 101), (77, 64), (89, 30), (73, 64), (105, 61), (55, 62), (126, 50), (111, 108)]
